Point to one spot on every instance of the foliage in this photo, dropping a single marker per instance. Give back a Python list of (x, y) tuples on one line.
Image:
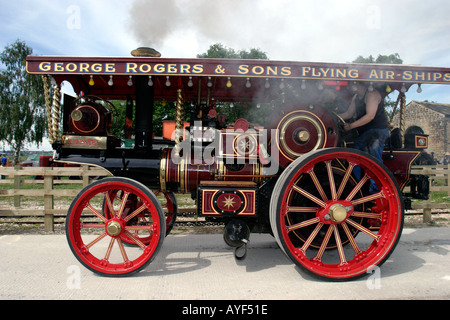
[(382, 59), (219, 51), (22, 115)]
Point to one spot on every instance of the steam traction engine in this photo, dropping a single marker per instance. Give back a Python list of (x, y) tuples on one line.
[(292, 176)]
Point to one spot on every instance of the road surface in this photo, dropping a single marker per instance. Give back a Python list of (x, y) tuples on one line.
[(202, 267)]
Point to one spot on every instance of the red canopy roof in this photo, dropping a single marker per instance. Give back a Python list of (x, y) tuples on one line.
[(222, 79)]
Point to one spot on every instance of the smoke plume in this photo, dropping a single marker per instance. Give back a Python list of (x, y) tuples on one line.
[(153, 22)]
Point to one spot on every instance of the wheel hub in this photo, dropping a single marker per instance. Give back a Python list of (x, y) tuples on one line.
[(114, 228), (303, 136), (338, 213)]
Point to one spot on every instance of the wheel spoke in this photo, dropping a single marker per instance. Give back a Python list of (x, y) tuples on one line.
[(366, 215), (108, 251), (94, 211), (345, 180), (318, 185), (311, 237), (122, 204), (357, 188), (136, 240), (122, 250), (302, 210), (303, 224), (331, 180), (102, 236), (135, 213), (309, 196), (109, 204), (324, 244), (339, 246), (368, 198), (351, 238), (139, 228), (363, 229)]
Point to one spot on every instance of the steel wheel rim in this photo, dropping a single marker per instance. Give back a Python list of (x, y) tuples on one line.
[(97, 238), (360, 255)]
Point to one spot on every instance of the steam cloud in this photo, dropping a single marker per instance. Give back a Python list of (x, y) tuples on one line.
[(153, 22)]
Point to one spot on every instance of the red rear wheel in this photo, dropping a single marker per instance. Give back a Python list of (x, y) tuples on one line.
[(101, 219), (326, 220)]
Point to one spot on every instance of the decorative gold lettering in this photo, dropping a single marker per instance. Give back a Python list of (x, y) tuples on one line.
[(172, 68), (257, 70), (447, 77), (185, 68), (96, 67), (220, 69), (71, 67), (407, 75), (198, 68), (353, 73), (58, 67), (305, 71), (325, 72), (110, 67), (420, 76), (131, 68), (373, 74), (144, 68), (341, 73), (286, 71), (45, 66), (315, 73), (159, 68), (84, 67), (437, 76), (272, 71), (390, 75), (243, 69)]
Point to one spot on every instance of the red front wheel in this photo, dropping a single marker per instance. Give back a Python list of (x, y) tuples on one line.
[(332, 222), (99, 222)]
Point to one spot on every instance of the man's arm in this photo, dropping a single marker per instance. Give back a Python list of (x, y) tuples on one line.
[(373, 99), (350, 111)]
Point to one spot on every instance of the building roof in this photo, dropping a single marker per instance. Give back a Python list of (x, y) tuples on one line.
[(437, 107)]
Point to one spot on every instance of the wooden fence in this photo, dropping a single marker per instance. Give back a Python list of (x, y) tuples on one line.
[(44, 186), (439, 182), (50, 184)]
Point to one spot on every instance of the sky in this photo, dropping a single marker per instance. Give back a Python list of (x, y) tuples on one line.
[(294, 30)]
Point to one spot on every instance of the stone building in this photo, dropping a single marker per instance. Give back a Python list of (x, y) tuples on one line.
[(434, 119)]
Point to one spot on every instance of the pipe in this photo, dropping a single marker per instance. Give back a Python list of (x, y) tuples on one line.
[(144, 113)]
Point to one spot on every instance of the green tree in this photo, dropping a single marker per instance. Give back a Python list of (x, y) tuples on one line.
[(219, 51), (22, 113), (382, 59)]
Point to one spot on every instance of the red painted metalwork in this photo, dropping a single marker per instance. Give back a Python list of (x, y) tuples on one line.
[(113, 224), (292, 163), (333, 212)]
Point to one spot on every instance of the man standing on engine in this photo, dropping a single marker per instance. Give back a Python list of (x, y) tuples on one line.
[(370, 121)]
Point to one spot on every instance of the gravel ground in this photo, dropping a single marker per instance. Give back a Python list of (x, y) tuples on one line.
[(20, 225)]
